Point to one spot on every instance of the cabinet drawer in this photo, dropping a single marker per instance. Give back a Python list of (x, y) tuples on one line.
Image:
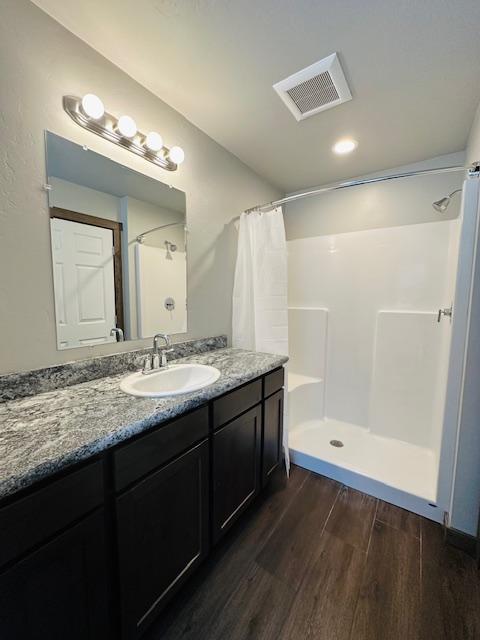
[(135, 460), (31, 520), (273, 382), (236, 402)]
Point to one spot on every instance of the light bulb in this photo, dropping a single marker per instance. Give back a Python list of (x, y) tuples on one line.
[(344, 146), (176, 155), (153, 141), (127, 126), (92, 106)]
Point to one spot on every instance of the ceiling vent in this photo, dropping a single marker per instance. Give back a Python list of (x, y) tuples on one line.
[(320, 86)]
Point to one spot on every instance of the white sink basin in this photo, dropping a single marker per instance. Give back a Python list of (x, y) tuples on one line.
[(171, 381)]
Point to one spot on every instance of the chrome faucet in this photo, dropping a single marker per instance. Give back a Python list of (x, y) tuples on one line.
[(156, 337), (163, 353), (157, 360)]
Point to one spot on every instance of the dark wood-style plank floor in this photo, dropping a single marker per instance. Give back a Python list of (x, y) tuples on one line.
[(313, 559)]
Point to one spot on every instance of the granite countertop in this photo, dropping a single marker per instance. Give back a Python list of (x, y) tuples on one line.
[(42, 434)]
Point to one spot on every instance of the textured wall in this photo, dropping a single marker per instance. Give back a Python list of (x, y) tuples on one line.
[(40, 61)]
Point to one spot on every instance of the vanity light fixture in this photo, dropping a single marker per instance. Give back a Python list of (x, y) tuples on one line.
[(127, 127), (89, 113), (342, 147), (176, 155), (153, 141), (92, 106)]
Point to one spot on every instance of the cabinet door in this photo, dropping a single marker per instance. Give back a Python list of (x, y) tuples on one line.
[(236, 468), (162, 536), (60, 590), (272, 434)]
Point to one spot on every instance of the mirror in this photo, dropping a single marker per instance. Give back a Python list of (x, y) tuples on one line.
[(118, 243)]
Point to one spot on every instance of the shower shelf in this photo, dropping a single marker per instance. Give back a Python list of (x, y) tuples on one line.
[(296, 380)]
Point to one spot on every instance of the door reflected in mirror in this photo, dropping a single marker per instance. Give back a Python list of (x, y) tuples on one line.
[(119, 246)]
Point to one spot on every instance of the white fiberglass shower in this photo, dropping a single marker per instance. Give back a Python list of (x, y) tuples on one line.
[(369, 361)]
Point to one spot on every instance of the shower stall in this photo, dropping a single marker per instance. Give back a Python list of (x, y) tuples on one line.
[(373, 402)]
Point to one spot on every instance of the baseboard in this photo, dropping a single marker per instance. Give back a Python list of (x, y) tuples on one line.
[(463, 541)]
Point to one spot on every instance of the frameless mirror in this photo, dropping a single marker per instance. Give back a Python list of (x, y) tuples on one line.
[(118, 249)]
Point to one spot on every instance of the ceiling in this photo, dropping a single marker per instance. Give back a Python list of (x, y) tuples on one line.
[(413, 69)]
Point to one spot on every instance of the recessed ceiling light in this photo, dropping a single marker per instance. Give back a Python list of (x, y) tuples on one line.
[(347, 145)]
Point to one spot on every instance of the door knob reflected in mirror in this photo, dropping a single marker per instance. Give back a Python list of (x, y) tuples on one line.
[(118, 333)]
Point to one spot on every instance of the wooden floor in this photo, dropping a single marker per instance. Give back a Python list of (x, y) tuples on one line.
[(313, 559)]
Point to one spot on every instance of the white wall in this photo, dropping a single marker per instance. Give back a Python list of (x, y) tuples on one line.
[(382, 288), (76, 197), (371, 249), (138, 217), (307, 346), (473, 145), (40, 62), (466, 495), (160, 276)]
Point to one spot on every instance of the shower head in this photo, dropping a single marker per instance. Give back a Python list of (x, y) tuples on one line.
[(442, 204), (170, 246)]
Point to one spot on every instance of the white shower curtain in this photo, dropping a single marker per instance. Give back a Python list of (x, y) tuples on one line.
[(260, 314)]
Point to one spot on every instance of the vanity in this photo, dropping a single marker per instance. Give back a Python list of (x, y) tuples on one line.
[(119, 474), (100, 531)]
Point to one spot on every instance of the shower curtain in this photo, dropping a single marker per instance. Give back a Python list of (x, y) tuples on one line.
[(260, 314)]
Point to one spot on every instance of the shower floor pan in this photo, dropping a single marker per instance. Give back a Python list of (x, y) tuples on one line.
[(397, 472)]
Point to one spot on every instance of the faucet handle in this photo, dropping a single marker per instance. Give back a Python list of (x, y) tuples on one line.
[(163, 360), (147, 364)]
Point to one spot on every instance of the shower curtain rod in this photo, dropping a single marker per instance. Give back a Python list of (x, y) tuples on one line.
[(141, 237), (351, 183)]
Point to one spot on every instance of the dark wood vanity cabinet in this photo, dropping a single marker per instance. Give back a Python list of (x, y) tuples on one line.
[(162, 535), (97, 552), (247, 446), (60, 590), (272, 434), (53, 583), (236, 468)]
